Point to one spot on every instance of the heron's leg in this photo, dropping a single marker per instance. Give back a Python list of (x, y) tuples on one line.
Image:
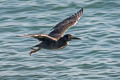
[(34, 50)]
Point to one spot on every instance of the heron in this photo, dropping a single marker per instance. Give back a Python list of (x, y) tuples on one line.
[(56, 38)]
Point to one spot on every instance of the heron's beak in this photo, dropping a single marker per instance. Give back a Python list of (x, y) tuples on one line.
[(76, 38)]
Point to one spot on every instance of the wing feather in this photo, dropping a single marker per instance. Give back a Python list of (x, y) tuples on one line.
[(61, 27), (40, 37)]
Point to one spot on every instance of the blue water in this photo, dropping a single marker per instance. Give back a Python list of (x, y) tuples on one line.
[(95, 57)]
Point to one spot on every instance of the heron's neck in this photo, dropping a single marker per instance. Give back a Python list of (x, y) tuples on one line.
[(62, 41)]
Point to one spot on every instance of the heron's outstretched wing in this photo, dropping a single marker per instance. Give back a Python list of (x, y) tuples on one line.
[(61, 27), (40, 37)]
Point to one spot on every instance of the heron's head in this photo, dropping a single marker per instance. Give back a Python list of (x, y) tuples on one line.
[(69, 37)]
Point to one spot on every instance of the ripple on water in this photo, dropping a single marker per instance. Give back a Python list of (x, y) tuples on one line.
[(94, 57)]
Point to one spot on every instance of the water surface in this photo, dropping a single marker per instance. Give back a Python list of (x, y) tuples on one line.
[(95, 57)]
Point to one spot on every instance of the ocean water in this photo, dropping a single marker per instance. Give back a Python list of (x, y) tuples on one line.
[(95, 57)]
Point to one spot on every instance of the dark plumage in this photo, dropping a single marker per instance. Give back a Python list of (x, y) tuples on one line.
[(54, 39)]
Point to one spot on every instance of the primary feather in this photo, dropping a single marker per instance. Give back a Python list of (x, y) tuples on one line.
[(61, 27)]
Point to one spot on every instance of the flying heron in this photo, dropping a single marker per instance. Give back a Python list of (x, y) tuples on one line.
[(55, 39)]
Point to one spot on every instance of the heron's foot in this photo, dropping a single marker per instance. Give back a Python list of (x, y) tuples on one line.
[(34, 50)]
